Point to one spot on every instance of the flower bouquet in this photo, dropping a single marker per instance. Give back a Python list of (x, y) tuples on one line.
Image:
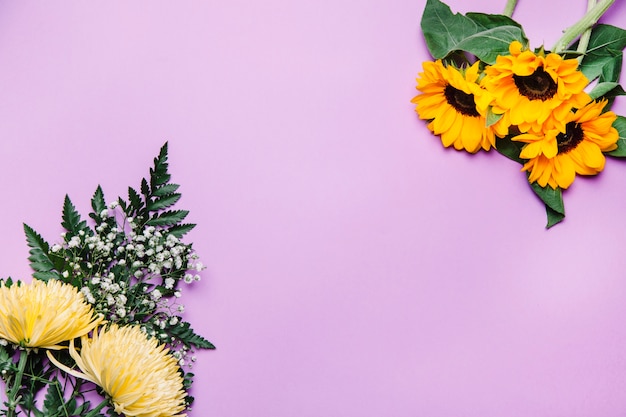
[(548, 110), (101, 319)]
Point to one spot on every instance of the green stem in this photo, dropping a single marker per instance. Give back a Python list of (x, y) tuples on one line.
[(17, 384), (583, 43), (591, 18), (96, 411), (509, 8)]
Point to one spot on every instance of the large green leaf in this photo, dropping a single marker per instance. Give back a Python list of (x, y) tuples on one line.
[(553, 200), (603, 58), (483, 35), (620, 126)]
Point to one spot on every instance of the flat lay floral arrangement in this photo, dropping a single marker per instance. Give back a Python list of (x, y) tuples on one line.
[(547, 107), (99, 330)]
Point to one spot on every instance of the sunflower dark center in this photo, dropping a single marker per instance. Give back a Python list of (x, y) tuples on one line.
[(461, 101), (536, 86), (571, 138)]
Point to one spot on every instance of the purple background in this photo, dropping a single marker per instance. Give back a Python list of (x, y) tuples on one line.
[(355, 266)]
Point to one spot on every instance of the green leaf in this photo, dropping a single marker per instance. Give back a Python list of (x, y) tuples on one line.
[(158, 174), (47, 275), (181, 229), (184, 332), (53, 403), (136, 204), (39, 251), (97, 205), (168, 218), (553, 200), (607, 90), (510, 148), (71, 218), (485, 36), (165, 190), (620, 125), (492, 118), (604, 54), (163, 202)]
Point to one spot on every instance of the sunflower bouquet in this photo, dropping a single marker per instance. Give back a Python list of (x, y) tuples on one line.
[(99, 330), (548, 110)]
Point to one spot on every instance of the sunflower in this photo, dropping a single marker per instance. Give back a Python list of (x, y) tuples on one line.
[(530, 88), (455, 105), (44, 314), (138, 374), (556, 155)]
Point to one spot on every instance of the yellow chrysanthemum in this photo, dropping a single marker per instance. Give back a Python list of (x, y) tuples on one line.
[(455, 105), (530, 88), (44, 314), (137, 373), (556, 155)]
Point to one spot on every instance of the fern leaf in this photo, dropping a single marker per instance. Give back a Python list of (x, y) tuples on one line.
[(39, 249), (168, 218), (71, 218), (162, 202), (158, 174), (186, 335), (97, 205), (181, 229), (165, 190)]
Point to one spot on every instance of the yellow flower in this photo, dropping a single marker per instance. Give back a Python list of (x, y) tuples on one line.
[(455, 105), (556, 155), (530, 88), (44, 314), (137, 373)]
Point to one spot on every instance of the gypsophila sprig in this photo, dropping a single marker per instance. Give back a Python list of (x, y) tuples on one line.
[(129, 266), (549, 110)]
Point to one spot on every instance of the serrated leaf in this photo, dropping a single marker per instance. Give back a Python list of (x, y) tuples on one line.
[(553, 200), (168, 218), (136, 203), (145, 189), (39, 250), (53, 401), (181, 229), (98, 204), (71, 218), (485, 36), (165, 190), (163, 202), (186, 335), (47, 275), (620, 125), (158, 174)]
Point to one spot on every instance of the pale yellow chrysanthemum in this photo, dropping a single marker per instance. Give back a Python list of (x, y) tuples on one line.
[(138, 374), (44, 314)]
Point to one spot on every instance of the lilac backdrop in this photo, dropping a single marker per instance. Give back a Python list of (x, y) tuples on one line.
[(355, 266)]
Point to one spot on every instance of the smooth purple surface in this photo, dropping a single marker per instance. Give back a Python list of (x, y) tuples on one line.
[(355, 266)]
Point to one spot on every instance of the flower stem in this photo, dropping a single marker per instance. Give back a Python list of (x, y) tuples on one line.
[(583, 43), (96, 411), (17, 384), (591, 18), (509, 8)]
